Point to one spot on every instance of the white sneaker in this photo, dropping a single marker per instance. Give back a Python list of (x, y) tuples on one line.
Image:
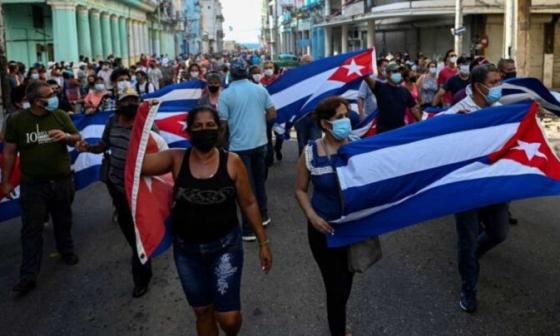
[(249, 238), (266, 221)]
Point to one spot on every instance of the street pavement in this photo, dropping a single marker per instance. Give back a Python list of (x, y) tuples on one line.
[(413, 290)]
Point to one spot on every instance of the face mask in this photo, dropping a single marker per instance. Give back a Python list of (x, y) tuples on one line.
[(414, 68), (453, 59), (204, 140), (213, 88), (194, 74), (122, 85), (99, 87), (34, 76), (25, 105), (268, 72), (341, 128), (129, 111), (257, 78), (105, 67), (396, 78), (133, 79), (464, 69), (433, 71), (494, 94), (52, 104), (510, 75)]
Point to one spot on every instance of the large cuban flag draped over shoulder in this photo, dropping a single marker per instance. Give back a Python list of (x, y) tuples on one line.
[(442, 166), (176, 100), (299, 90), (516, 90)]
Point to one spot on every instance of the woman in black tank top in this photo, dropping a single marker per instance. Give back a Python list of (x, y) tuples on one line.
[(209, 183)]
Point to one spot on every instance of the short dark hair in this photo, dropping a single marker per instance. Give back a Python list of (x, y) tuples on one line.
[(381, 61), (199, 109), (192, 65), (119, 72), (502, 63), (32, 91), (480, 73), (326, 108)]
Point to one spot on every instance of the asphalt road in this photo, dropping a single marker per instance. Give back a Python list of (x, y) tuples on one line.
[(413, 290)]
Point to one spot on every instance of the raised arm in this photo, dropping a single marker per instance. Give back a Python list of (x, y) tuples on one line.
[(161, 162)]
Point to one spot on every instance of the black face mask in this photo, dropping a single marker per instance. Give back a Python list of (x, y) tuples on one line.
[(204, 140), (213, 89), (510, 75), (128, 111)]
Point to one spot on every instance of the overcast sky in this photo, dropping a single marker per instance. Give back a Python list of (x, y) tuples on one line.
[(244, 17)]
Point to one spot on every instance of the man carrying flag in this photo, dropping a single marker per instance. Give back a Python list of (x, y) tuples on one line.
[(392, 100), (41, 134), (116, 137), (472, 243)]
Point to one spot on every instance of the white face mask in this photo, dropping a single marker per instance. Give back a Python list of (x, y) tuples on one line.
[(25, 105), (34, 76), (464, 69), (122, 85), (433, 71), (194, 74), (257, 78), (133, 78), (268, 72), (453, 59)]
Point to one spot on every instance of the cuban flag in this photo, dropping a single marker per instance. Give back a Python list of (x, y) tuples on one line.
[(86, 166), (516, 90), (442, 166), (149, 198), (298, 91), (167, 109), (175, 101)]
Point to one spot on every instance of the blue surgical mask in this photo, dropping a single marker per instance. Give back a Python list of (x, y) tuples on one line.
[(494, 94), (465, 69), (396, 77), (52, 104), (99, 87), (341, 128)]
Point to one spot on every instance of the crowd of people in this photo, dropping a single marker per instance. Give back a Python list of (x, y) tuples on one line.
[(227, 166)]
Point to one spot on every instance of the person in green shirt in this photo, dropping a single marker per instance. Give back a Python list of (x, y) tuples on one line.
[(41, 134)]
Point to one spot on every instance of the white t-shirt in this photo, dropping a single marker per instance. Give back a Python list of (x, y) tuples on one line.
[(467, 105)]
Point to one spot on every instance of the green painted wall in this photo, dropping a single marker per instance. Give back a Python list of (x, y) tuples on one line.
[(29, 44), (22, 38)]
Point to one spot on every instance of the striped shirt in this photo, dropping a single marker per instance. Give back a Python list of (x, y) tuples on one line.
[(116, 137)]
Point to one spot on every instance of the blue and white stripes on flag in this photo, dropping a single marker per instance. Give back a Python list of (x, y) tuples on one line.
[(176, 100), (442, 166), (298, 91)]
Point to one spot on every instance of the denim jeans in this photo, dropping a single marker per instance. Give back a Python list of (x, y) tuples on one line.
[(478, 231), (211, 273), (38, 199), (141, 273), (306, 130), (254, 160)]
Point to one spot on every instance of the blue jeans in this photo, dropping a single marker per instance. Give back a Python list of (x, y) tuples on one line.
[(475, 240), (306, 130), (211, 273), (255, 163)]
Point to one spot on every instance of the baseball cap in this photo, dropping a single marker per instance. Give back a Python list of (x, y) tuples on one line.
[(392, 67), (238, 68), (128, 91)]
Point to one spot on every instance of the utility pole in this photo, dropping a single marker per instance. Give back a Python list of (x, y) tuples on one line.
[(458, 24)]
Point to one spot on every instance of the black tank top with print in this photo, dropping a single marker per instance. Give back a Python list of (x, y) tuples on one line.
[(204, 210)]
